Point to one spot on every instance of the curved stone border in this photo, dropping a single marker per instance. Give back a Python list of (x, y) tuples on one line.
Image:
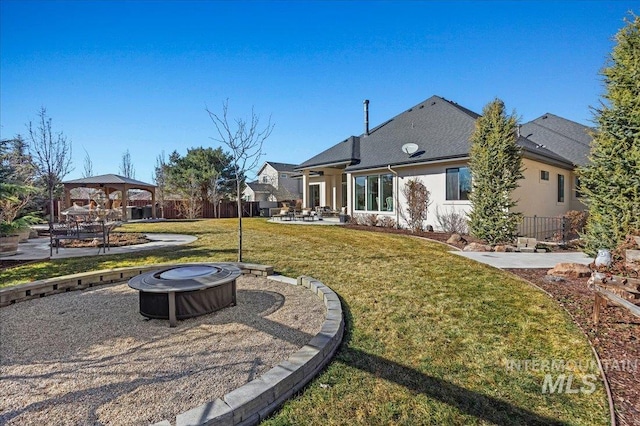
[(253, 401)]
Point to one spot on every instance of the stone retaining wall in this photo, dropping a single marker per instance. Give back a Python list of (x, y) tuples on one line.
[(81, 281)]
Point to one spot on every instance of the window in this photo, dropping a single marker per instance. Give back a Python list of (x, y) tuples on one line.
[(544, 175), (284, 175), (361, 182), (578, 193), (561, 188), (458, 183), (265, 179), (374, 193)]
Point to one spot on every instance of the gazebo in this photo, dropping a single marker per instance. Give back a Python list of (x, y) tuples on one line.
[(111, 183)]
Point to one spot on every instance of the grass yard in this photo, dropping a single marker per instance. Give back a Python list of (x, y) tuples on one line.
[(429, 333)]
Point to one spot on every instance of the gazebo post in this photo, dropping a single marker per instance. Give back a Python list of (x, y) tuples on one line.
[(125, 201)]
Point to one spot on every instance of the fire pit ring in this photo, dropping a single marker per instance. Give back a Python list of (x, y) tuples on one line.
[(186, 290)]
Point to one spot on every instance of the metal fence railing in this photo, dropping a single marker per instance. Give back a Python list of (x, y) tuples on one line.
[(554, 229)]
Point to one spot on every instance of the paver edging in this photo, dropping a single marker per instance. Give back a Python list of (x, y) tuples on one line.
[(255, 401), (252, 402)]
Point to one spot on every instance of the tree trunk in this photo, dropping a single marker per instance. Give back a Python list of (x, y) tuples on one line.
[(50, 221), (239, 221)]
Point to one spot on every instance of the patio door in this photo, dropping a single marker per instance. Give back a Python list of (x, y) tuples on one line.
[(314, 196)]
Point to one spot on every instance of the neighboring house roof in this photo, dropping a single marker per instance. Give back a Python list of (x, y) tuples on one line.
[(108, 179), (441, 129), (566, 138), (261, 187), (280, 167)]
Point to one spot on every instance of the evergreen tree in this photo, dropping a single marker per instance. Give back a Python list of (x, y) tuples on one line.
[(610, 183), (496, 166)]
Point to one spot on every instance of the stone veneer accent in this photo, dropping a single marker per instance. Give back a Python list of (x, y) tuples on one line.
[(252, 402)]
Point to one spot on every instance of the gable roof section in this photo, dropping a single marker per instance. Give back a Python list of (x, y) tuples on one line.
[(442, 129), (261, 187), (564, 137), (280, 167), (439, 127), (343, 153)]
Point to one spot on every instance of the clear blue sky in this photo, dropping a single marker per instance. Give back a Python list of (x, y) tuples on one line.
[(118, 75)]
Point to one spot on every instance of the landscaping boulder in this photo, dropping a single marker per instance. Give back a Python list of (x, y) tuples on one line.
[(572, 270), (477, 247), (454, 239), (504, 249)]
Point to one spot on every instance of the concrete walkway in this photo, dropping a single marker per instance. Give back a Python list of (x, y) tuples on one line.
[(38, 248), (525, 260)]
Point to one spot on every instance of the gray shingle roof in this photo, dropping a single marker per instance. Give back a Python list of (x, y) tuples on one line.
[(108, 179), (283, 167), (442, 129), (261, 187), (346, 151), (564, 137)]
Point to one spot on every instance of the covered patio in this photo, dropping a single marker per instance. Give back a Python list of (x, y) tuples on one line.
[(109, 184)]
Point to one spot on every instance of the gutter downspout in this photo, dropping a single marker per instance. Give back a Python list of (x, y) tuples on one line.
[(397, 203)]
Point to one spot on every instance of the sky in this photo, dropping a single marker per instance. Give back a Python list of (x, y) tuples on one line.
[(138, 75)]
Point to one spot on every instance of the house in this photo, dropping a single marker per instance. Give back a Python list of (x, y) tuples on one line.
[(275, 182), (365, 174)]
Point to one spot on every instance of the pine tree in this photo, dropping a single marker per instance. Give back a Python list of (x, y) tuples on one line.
[(610, 182), (496, 166)]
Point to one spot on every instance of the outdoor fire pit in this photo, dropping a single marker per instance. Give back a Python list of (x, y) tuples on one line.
[(187, 290)]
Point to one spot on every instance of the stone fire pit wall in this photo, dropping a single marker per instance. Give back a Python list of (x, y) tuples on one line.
[(254, 401)]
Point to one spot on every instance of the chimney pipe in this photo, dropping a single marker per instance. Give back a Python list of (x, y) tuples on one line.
[(518, 130), (366, 117)]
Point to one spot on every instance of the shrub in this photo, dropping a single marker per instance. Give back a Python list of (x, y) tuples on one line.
[(452, 221)]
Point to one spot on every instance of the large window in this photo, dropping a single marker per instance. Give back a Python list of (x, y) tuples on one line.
[(561, 188), (458, 183), (374, 193)]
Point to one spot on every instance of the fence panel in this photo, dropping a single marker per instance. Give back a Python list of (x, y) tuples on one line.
[(544, 228)]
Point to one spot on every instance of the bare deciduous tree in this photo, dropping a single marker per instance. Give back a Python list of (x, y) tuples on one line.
[(244, 139), (160, 179), (51, 154), (88, 165), (126, 167)]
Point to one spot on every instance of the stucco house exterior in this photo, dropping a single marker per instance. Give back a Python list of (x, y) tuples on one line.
[(275, 182), (365, 174)]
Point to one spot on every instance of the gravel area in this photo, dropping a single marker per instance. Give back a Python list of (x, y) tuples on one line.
[(89, 357)]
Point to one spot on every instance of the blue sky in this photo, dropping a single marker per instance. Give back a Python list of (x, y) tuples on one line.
[(118, 75)]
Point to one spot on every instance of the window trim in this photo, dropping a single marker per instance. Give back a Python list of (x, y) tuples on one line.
[(560, 189), (545, 176), (446, 188)]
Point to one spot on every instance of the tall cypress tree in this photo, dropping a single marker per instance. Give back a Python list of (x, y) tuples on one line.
[(496, 166), (610, 183)]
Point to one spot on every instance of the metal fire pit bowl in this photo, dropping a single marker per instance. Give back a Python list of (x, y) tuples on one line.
[(186, 290)]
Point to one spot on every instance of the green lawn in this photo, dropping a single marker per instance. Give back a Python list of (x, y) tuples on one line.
[(428, 332)]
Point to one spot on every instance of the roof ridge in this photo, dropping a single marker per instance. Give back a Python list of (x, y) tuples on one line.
[(558, 133)]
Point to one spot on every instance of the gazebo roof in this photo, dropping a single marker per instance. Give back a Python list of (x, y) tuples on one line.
[(110, 179)]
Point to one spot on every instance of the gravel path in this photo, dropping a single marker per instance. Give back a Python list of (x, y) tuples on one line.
[(89, 357)]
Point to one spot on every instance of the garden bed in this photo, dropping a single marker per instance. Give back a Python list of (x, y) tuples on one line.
[(616, 338), (116, 239)]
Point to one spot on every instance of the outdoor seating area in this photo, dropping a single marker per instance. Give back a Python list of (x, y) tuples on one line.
[(85, 223)]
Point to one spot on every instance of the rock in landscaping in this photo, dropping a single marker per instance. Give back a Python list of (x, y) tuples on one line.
[(477, 247), (554, 279), (504, 249), (573, 270), (454, 239)]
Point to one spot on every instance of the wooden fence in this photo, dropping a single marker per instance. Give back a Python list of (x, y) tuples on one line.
[(226, 209)]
